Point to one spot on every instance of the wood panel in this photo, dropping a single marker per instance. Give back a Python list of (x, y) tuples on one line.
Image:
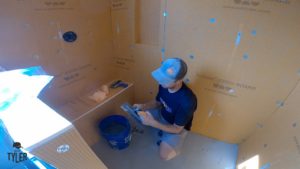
[(78, 156)]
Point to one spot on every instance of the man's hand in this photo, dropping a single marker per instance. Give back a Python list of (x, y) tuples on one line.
[(147, 106), (139, 106), (147, 118)]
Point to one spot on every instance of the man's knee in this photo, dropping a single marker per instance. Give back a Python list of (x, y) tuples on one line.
[(167, 152)]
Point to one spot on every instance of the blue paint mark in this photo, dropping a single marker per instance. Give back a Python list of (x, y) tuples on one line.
[(163, 50), (192, 57), (165, 14), (280, 103), (246, 56), (238, 39), (266, 166), (212, 20), (254, 32)]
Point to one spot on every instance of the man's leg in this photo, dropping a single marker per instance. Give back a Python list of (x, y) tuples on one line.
[(154, 131), (172, 144), (166, 151)]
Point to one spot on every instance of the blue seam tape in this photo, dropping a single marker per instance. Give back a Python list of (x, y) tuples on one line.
[(238, 38)]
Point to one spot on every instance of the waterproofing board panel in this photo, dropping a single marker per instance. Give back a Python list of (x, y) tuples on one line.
[(277, 142), (31, 34), (243, 59)]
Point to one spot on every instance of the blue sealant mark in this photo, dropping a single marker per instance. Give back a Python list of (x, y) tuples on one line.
[(246, 56), (266, 166), (259, 125), (163, 51), (280, 103), (212, 20), (238, 39), (192, 57), (254, 32), (187, 80), (165, 14), (294, 125)]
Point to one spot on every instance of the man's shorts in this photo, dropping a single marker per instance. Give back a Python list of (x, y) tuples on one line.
[(174, 140)]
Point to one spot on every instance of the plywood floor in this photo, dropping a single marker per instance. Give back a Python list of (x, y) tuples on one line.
[(198, 152)]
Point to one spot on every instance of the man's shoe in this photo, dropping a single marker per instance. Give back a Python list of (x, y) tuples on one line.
[(158, 142), (160, 133)]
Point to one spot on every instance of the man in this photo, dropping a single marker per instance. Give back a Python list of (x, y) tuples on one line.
[(178, 104)]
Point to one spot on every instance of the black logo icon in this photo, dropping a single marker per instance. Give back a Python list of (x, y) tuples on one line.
[(17, 145)]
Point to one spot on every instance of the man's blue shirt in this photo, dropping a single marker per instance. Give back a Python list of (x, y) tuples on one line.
[(179, 107)]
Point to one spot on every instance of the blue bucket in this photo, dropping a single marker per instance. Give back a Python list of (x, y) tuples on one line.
[(116, 130)]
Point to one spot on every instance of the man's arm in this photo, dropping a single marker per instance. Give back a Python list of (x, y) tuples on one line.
[(152, 104), (149, 105), (175, 129), (147, 119)]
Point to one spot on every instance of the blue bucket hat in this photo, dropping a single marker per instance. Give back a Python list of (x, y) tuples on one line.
[(170, 71)]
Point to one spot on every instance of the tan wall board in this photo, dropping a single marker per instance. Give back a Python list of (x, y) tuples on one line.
[(235, 94), (277, 142), (31, 35)]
